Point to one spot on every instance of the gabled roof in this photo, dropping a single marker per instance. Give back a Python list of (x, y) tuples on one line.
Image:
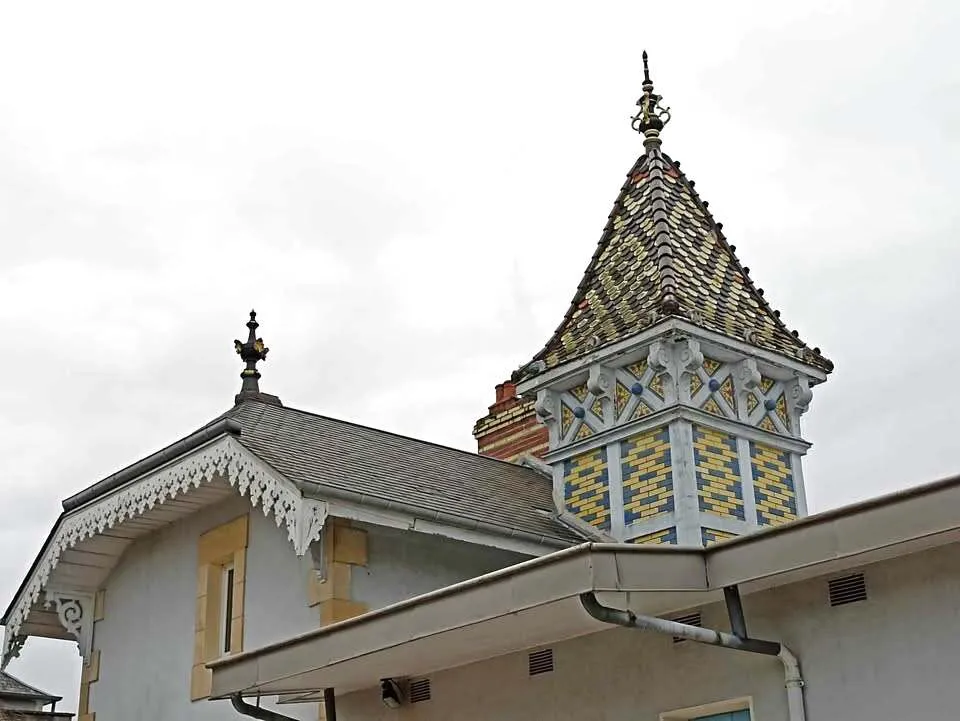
[(662, 254), (11, 687), (327, 453), (320, 453)]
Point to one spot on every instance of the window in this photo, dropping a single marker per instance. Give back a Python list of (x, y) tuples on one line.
[(226, 611), (738, 709), (221, 579)]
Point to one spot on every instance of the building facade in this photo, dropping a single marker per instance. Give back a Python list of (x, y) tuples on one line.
[(645, 464)]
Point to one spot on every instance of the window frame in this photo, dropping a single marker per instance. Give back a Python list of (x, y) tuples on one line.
[(692, 713), (227, 601)]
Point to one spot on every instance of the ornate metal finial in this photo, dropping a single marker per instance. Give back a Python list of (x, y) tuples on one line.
[(251, 353), (652, 116)]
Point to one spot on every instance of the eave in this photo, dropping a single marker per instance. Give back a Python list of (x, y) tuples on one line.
[(537, 603)]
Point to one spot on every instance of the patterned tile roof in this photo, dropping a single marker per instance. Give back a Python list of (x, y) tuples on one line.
[(11, 687), (662, 254)]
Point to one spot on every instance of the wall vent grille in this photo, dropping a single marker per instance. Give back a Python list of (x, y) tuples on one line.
[(847, 589), (420, 690), (691, 619), (541, 662)]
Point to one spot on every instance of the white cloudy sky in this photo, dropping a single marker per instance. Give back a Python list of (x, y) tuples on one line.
[(408, 193)]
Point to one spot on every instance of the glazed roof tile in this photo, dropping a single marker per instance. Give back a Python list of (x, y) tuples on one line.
[(662, 254)]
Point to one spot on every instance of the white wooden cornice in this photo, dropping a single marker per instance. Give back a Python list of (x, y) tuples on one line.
[(224, 459)]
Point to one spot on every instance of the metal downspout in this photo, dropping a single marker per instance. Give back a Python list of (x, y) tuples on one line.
[(629, 619), (329, 705), (264, 714)]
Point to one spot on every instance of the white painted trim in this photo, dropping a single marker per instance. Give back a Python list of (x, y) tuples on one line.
[(686, 499), (691, 713), (75, 613), (223, 458), (651, 525), (673, 413), (746, 482), (725, 523), (615, 489), (563, 372), (776, 360), (609, 353), (396, 519), (736, 428), (799, 489)]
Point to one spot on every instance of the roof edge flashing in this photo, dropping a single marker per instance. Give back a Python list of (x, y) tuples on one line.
[(225, 426)]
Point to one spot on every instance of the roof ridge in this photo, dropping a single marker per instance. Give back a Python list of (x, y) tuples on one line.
[(756, 291), (662, 240), (395, 434)]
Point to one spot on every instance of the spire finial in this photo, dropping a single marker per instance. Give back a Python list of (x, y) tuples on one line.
[(652, 116), (252, 352)]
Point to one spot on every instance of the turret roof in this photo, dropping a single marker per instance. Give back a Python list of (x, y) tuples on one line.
[(662, 254)]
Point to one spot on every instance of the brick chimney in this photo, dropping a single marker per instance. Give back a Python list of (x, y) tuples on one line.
[(510, 428)]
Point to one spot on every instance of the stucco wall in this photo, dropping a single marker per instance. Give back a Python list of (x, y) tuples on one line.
[(893, 656), (403, 564), (146, 638)]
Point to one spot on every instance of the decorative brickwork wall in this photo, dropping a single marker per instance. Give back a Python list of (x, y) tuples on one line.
[(511, 428)]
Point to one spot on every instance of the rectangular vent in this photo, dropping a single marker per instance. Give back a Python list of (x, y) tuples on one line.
[(541, 661), (847, 589), (691, 619), (420, 690)]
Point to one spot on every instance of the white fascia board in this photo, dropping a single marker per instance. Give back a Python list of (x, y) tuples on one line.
[(408, 522), (610, 352)]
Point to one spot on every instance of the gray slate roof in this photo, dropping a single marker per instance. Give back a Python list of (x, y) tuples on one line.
[(310, 449), (11, 687)]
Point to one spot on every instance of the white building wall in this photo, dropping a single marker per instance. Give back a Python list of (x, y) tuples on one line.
[(146, 638), (403, 564), (894, 656)]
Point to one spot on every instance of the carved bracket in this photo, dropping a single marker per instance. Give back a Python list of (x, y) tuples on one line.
[(546, 406), (311, 515), (12, 644), (75, 612), (748, 375), (600, 381), (675, 357), (226, 460), (799, 394)]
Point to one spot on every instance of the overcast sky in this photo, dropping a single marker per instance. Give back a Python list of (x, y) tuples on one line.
[(408, 194)]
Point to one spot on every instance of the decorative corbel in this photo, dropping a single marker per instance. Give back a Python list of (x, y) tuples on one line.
[(675, 357), (75, 612), (11, 648), (311, 516), (748, 375), (546, 406), (600, 381), (659, 357), (799, 394), (689, 356)]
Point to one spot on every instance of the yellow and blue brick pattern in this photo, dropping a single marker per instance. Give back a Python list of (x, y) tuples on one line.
[(667, 536), (709, 536), (586, 487), (719, 484), (645, 465), (773, 485)]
